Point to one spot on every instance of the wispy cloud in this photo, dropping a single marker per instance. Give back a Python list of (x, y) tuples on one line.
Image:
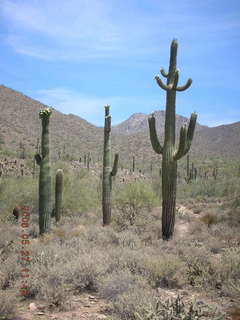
[(67, 101), (217, 119), (91, 108), (89, 29)]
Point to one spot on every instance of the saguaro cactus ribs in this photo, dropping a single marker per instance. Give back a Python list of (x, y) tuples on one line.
[(108, 171), (43, 161), (170, 154)]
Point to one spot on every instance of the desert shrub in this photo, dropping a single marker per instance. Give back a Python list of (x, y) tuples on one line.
[(49, 285), (199, 272), (84, 273), (79, 193), (164, 271), (233, 215), (17, 191), (128, 239), (131, 301), (231, 263), (7, 305), (176, 309), (55, 292), (117, 283), (233, 288), (209, 219), (133, 198), (10, 271)]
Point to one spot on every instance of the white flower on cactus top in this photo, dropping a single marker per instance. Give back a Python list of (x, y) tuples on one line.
[(44, 113)]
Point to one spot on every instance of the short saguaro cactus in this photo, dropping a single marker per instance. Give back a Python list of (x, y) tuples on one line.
[(108, 171)]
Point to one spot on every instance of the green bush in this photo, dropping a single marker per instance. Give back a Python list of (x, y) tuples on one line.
[(20, 191), (134, 198)]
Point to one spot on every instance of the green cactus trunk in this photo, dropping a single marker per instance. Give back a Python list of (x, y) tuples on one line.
[(188, 171), (169, 168), (43, 161), (170, 154), (58, 194), (108, 172)]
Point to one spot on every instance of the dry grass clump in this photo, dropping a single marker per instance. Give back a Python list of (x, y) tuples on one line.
[(7, 305), (164, 271), (131, 301), (10, 272), (209, 219), (117, 283)]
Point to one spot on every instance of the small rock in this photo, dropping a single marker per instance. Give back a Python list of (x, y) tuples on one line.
[(32, 307), (101, 317)]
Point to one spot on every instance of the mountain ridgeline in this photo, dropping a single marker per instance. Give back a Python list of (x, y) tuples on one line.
[(74, 136)]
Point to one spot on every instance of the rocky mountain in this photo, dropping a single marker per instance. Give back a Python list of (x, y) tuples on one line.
[(74, 136), (139, 122), (20, 123)]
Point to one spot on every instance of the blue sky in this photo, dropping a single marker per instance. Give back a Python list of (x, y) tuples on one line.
[(78, 55)]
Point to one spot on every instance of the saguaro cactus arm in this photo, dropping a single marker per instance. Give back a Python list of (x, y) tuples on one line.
[(162, 85), (163, 73), (186, 137), (58, 194), (38, 158), (173, 86), (153, 135), (115, 165), (185, 86)]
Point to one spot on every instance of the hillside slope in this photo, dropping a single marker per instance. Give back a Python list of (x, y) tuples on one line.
[(19, 123)]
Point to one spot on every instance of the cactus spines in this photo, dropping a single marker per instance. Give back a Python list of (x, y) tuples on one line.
[(58, 194), (108, 171), (170, 154), (43, 161)]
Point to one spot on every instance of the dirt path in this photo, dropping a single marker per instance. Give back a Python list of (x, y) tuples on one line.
[(82, 307)]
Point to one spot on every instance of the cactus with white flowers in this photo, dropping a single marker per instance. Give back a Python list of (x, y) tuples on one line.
[(43, 161)]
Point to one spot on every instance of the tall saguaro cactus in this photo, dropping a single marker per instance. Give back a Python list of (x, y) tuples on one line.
[(170, 153), (108, 171), (43, 161)]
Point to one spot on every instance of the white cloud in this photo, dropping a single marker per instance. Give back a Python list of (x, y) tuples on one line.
[(217, 119), (67, 101), (89, 29), (91, 108)]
